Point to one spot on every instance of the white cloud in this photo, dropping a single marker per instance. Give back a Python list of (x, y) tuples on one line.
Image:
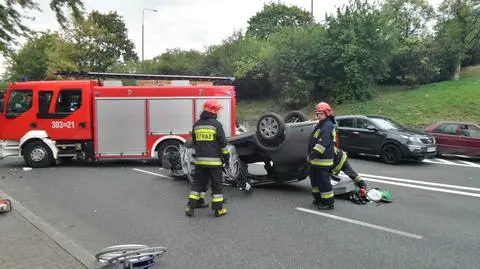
[(186, 24)]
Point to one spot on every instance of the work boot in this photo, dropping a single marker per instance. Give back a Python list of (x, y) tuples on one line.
[(189, 211), (325, 204), (321, 206), (221, 212)]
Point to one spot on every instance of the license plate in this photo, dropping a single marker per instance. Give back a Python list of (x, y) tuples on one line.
[(432, 149)]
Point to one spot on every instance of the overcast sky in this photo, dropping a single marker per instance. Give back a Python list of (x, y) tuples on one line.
[(186, 24)]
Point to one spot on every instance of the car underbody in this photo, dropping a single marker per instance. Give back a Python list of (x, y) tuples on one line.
[(279, 146)]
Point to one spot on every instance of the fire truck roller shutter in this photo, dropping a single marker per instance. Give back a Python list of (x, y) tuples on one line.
[(225, 116), (37, 149)]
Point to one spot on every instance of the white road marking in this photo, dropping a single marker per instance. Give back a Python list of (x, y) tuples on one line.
[(423, 182), (443, 161), (151, 173), (373, 226), (470, 163), (423, 187), (451, 163)]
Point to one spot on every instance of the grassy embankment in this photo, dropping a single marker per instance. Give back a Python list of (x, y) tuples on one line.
[(420, 106)]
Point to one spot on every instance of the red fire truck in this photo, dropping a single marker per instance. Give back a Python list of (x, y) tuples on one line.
[(44, 121)]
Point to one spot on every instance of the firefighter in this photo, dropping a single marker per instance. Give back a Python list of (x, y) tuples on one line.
[(321, 152), (211, 153)]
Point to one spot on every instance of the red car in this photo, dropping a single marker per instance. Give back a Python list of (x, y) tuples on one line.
[(456, 138)]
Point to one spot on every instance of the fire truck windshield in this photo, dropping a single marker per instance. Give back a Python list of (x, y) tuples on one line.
[(19, 101)]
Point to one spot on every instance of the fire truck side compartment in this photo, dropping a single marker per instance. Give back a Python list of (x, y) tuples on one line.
[(170, 116), (225, 116), (121, 127)]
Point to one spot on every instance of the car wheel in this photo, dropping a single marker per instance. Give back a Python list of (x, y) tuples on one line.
[(37, 154), (271, 128), (295, 116), (391, 154)]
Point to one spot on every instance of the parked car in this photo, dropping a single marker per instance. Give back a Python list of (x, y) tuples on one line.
[(377, 135), (456, 138)]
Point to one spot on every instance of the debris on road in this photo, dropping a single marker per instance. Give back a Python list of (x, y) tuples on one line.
[(5, 205), (128, 256)]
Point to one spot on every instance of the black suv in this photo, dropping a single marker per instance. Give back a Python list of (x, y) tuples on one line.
[(378, 135)]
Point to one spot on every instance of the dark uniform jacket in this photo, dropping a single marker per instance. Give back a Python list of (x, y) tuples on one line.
[(322, 144), (209, 141)]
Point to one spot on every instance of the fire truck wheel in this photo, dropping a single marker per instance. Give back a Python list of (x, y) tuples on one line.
[(167, 146), (37, 154)]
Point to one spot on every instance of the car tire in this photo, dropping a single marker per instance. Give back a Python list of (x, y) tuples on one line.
[(37, 154), (295, 116), (270, 129), (391, 154)]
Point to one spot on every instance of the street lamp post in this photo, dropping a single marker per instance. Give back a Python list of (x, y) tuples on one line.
[(143, 28), (311, 8)]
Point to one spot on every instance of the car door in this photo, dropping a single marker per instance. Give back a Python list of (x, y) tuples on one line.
[(471, 140), (366, 140), (447, 136), (345, 129)]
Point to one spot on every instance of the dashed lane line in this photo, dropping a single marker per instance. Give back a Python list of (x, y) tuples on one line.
[(365, 224), (423, 187), (150, 173), (422, 182)]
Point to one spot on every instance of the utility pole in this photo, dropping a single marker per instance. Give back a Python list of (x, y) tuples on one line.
[(311, 7), (143, 29)]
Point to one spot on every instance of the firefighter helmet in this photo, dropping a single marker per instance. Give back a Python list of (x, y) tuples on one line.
[(212, 106), (324, 107)]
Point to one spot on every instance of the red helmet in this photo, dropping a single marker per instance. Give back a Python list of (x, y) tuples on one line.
[(212, 106), (324, 107)]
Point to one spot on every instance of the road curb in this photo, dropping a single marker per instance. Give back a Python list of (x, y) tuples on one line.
[(75, 250)]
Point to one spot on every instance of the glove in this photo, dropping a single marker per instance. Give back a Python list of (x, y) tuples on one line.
[(362, 193), (226, 159)]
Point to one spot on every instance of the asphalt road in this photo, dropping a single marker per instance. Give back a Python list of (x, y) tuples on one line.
[(432, 223)]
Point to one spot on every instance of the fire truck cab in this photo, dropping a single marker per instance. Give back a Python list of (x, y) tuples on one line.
[(44, 121)]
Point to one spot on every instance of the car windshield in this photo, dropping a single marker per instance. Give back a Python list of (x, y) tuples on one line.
[(387, 124)]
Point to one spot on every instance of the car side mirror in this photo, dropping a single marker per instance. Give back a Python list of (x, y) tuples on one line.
[(372, 128)]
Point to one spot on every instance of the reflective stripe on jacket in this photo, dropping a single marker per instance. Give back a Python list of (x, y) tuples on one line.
[(209, 141), (322, 142), (339, 159)]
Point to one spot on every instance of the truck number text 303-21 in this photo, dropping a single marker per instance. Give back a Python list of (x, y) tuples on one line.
[(63, 124)]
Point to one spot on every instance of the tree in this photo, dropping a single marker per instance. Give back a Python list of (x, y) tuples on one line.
[(40, 57), (409, 16), (102, 40), (243, 57), (459, 23), (179, 62), (275, 16), (11, 24), (358, 52)]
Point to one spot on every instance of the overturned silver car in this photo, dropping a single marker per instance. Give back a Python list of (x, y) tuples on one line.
[(278, 144)]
